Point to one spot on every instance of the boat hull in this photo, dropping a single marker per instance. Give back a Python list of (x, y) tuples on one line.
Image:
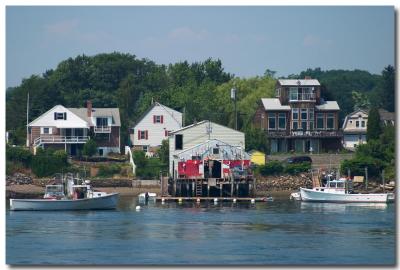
[(320, 196), (105, 202)]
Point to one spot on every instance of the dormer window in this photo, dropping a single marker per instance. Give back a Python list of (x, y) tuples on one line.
[(158, 119), (60, 116), (102, 121)]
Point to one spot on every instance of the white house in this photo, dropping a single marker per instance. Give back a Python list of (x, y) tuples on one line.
[(355, 129), (198, 133), (154, 126), (70, 128)]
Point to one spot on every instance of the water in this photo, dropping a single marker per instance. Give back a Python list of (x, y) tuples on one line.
[(282, 232)]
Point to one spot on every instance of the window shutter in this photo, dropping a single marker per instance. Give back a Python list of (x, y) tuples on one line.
[(41, 130), (162, 119), (165, 133), (147, 135), (138, 134), (65, 116), (154, 119), (55, 116), (50, 130)]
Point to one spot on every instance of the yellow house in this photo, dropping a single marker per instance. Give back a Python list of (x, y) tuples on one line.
[(257, 157)]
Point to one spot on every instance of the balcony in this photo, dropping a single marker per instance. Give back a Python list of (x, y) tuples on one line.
[(102, 129), (304, 134), (60, 140), (302, 97)]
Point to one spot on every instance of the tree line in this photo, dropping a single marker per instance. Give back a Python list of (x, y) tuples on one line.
[(201, 90)]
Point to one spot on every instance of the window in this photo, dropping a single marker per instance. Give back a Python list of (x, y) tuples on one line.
[(304, 125), (357, 123), (167, 133), (293, 93), (351, 122), (178, 142), (271, 121), (158, 119), (311, 125), (60, 116), (362, 123), (101, 121), (295, 125), (46, 130), (320, 121), (295, 114), (215, 151), (303, 114), (281, 121), (311, 114), (330, 121), (277, 92), (145, 148), (143, 134)]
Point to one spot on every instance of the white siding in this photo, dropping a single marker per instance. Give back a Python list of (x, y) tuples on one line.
[(197, 134), (47, 119), (349, 140), (172, 120)]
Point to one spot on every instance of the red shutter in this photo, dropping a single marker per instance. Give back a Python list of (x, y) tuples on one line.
[(162, 119), (138, 134), (147, 135), (154, 119), (165, 133)]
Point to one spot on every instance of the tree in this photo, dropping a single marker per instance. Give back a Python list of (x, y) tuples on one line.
[(269, 73), (163, 152), (89, 148), (373, 125), (387, 92), (360, 100)]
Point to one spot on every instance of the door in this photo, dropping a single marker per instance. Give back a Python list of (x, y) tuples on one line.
[(68, 132), (73, 150)]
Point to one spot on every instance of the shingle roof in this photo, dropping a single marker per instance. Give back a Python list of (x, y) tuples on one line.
[(385, 115), (328, 106), (274, 104), (295, 82), (97, 112)]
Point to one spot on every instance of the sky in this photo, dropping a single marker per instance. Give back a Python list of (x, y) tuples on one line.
[(248, 40)]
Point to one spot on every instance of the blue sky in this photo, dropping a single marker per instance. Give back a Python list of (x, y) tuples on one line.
[(248, 40)]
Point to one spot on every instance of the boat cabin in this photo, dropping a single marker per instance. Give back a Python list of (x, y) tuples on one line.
[(54, 192)]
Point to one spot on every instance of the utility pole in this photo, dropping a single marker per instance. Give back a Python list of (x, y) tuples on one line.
[(184, 116), (27, 121), (383, 181), (366, 178), (234, 97)]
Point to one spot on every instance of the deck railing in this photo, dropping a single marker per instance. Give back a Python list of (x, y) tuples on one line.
[(60, 139), (301, 133), (302, 96), (102, 129)]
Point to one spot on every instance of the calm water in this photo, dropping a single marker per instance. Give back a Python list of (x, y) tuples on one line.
[(279, 232)]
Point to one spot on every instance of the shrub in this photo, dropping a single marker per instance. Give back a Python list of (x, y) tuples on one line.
[(108, 170), (151, 170), (357, 166), (48, 162), (296, 168), (90, 148), (271, 168), (19, 154)]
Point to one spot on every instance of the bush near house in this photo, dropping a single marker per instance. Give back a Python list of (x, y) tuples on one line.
[(296, 168), (89, 148), (48, 162), (275, 167), (19, 155), (108, 170)]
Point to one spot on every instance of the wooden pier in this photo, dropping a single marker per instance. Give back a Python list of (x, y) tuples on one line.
[(211, 199)]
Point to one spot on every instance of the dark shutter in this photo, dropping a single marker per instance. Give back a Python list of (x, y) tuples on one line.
[(147, 135), (55, 116), (154, 119), (65, 116), (162, 119), (138, 134)]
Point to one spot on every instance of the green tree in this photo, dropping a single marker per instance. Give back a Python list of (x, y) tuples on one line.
[(387, 93), (89, 148), (373, 124), (163, 152)]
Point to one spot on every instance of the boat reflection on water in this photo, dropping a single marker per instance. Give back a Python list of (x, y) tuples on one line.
[(340, 207)]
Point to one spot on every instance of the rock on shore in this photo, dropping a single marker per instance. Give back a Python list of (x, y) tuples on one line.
[(284, 182)]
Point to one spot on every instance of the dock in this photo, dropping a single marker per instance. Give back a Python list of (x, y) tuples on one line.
[(211, 199)]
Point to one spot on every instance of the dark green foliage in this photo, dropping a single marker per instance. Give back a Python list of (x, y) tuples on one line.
[(89, 148), (256, 140), (139, 158), (147, 168), (296, 168), (163, 153), (357, 166), (387, 95), (272, 167), (373, 125), (108, 170), (48, 162), (19, 155)]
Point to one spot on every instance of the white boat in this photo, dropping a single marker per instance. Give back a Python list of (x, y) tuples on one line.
[(338, 191), (295, 196), (150, 197), (76, 197)]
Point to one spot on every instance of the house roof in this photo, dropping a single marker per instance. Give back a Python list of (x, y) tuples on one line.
[(386, 116), (98, 112), (169, 110), (346, 119), (328, 106), (274, 104), (200, 123), (295, 82), (71, 123)]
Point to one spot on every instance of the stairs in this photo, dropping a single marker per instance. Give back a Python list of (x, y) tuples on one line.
[(199, 188), (315, 175)]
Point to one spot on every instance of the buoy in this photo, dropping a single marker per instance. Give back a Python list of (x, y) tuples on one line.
[(215, 200), (162, 200), (137, 207), (253, 200), (234, 200), (180, 200), (198, 200)]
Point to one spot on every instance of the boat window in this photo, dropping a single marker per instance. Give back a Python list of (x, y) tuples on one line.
[(340, 185), (332, 184)]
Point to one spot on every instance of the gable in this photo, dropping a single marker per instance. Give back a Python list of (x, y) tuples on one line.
[(172, 117), (47, 119)]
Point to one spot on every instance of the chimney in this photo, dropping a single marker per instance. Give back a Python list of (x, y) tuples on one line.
[(89, 108), (307, 78)]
